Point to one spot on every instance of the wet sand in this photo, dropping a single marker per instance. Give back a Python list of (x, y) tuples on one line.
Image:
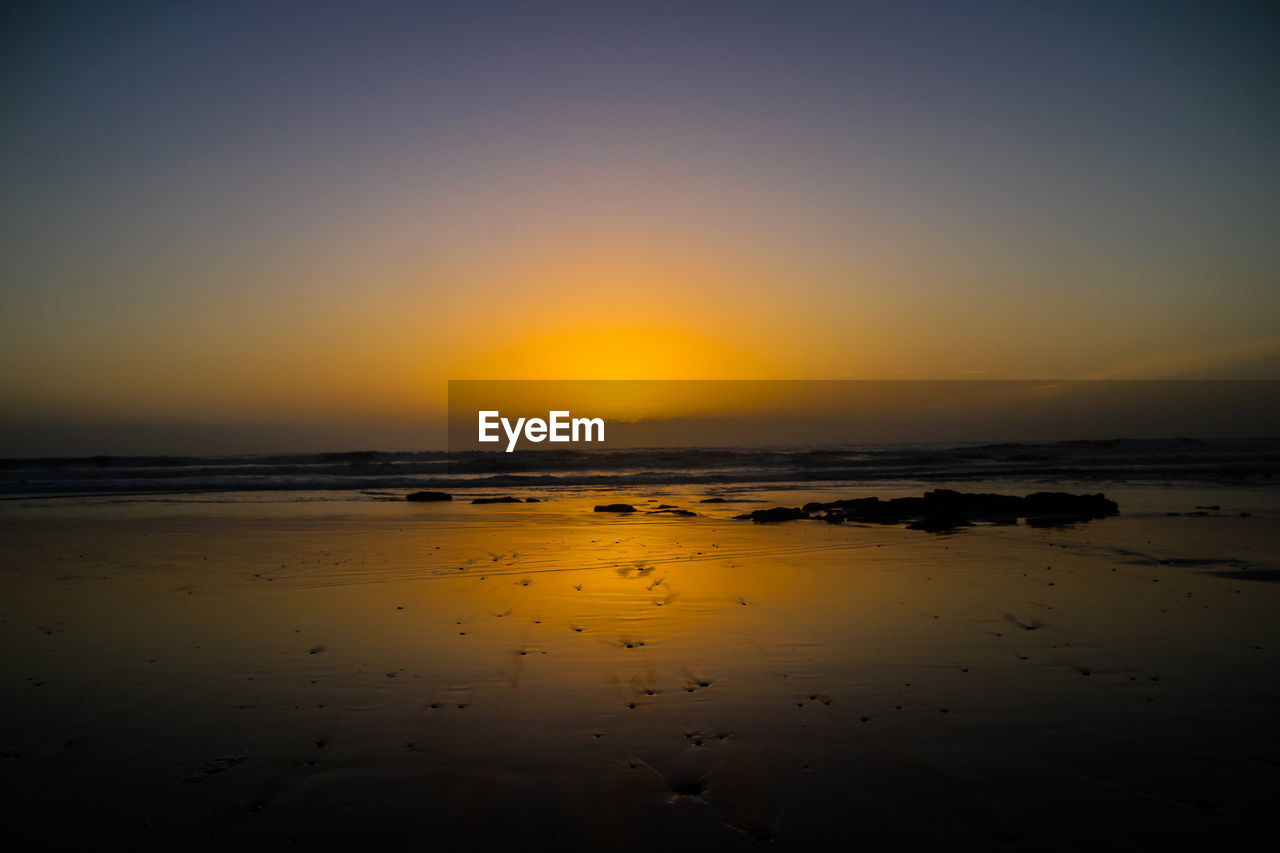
[(247, 668)]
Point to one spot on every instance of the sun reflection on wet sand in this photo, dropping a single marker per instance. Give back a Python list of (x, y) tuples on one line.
[(319, 669)]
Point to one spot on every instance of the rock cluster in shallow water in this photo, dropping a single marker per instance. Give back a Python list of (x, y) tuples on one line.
[(944, 509)]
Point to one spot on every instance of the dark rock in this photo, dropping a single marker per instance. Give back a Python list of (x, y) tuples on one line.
[(673, 511), (615, 508), (505, 499), (778, 513), (693, 788), (945, 509), (1062, 503), (429, 496), (666, 506), (713, 501), (533, 500)]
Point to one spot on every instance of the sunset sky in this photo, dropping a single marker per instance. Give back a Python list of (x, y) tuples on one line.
[(276, 220)]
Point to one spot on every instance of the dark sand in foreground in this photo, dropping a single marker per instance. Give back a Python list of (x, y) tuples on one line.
[(249, 668)]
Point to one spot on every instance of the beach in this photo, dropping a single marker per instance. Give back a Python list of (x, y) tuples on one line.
[(303, 667)]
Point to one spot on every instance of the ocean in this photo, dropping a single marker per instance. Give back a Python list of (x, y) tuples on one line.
[(384, 475)]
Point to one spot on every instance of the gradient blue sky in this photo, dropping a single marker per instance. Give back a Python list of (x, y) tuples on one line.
[(293, 217)]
